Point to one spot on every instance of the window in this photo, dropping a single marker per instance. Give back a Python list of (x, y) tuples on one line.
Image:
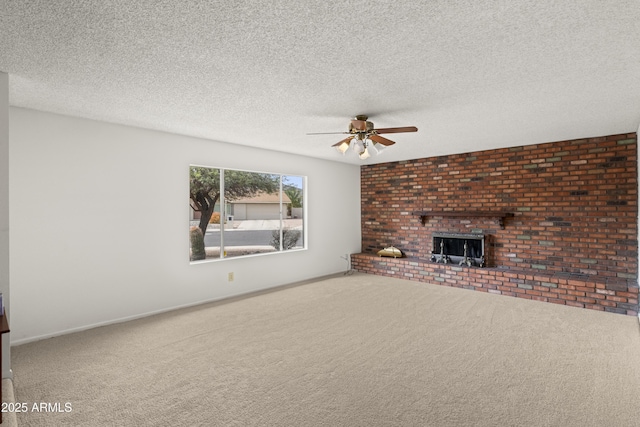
[(236, 213)]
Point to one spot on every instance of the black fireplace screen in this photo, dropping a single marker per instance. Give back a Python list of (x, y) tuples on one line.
[(462, 249)]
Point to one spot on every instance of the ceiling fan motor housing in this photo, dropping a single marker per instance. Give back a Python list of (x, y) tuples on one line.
[(360, 125)]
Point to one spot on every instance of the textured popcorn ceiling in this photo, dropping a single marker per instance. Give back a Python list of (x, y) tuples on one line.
[(470, 75)]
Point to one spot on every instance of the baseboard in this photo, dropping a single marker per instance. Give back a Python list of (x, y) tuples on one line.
[(165, 310)]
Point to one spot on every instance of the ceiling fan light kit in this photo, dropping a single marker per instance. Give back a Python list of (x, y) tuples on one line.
[(343, 146), (364, 138), (363, 148)]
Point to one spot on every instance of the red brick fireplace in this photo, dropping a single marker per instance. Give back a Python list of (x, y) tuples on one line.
[(559, 220)]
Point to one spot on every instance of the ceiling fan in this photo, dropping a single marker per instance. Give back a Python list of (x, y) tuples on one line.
[(363, 136)]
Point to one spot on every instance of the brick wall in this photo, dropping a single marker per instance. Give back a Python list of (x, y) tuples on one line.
[(574, 223)]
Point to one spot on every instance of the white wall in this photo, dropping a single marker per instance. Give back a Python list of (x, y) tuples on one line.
[(4, 216), (99, 223)]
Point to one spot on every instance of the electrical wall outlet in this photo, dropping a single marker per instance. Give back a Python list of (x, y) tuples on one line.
[(230, 277)]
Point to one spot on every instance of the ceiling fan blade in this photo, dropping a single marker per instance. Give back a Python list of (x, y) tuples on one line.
[(359, 125), (329, 133), (397, 130), (381, 140), (346, 140)]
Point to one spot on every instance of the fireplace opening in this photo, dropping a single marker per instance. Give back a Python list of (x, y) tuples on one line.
[(460, 249)]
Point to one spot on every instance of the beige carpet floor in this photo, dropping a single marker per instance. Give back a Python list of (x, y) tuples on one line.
[(356, 350), (9, 413)]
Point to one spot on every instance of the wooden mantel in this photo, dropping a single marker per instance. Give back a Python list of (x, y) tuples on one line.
[(465, 214)]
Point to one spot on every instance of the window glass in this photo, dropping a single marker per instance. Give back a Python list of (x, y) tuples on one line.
[(236, 213), (293, 227), (253, 212)]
